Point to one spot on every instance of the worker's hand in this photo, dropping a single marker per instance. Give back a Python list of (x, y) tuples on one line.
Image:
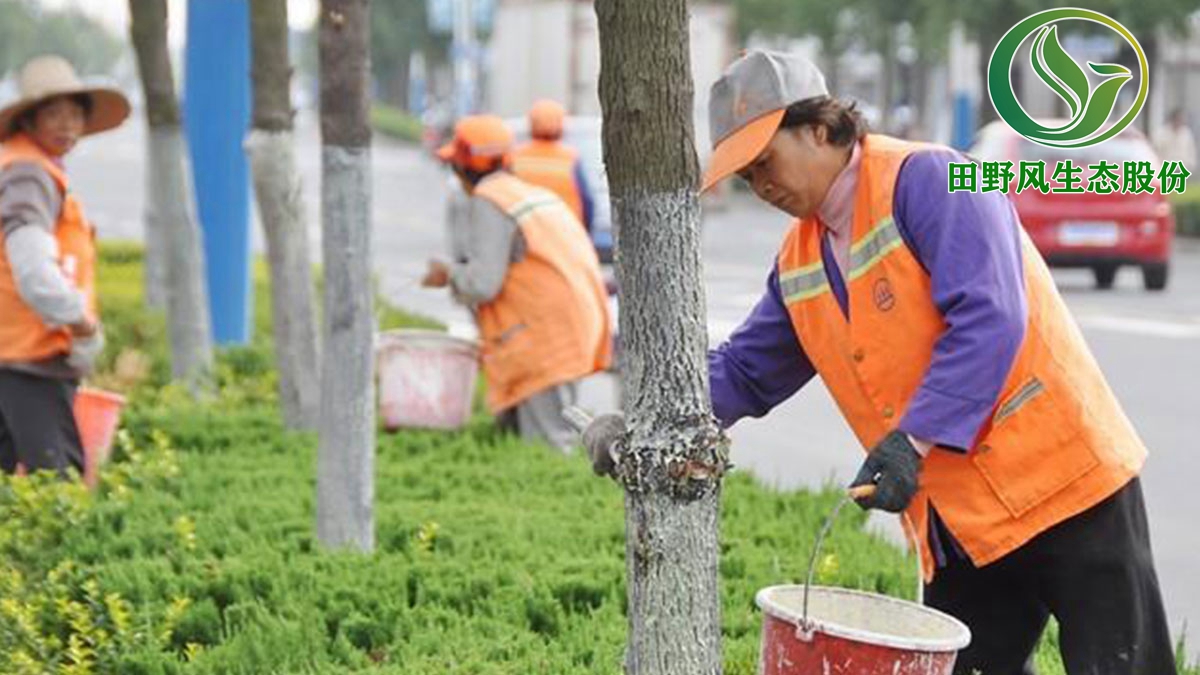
[(600, 442), (84, 328), (892, 467), (437, 275), (85, 351)]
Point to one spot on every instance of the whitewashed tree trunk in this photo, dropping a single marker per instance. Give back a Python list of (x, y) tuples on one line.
[(169, 201), (675, 454), (278, 191), (154, 257), (346, 452), (277, 187)]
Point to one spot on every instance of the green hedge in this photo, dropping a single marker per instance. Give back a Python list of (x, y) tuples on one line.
[(1187, 213), (197, 553), (396, 123)]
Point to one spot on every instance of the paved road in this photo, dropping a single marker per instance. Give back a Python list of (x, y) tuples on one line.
[(1148, 344)]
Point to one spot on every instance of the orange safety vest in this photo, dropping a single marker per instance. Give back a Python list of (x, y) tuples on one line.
[(23, 334), (1057, 441), (550, 323), (551, 165)]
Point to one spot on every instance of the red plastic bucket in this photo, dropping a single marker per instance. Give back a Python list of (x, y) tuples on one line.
[(426, 379), (854, 633), (97, 414)]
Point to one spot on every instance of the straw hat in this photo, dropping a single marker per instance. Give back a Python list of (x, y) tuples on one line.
[(45, 77)]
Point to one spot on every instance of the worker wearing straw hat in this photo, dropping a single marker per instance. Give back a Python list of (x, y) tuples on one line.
[(936, 327), (546, 161), (50, 332), (531, 278)]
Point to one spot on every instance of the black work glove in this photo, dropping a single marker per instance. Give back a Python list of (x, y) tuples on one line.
[(600, 439), (892, 467)]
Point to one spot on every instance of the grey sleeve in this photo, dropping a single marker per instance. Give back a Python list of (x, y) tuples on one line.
[(28, 197), (484, 241)]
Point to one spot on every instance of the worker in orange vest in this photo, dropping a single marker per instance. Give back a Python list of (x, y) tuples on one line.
[(938, 330), (531, 278), (547, 162), (50, 332)]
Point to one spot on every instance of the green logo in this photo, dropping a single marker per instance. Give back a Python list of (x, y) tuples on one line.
[(1090, 106)]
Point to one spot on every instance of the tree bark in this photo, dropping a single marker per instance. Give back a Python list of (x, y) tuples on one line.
[(346, 451), (278, 190), (988, 36), (888, 53), (170, 208), (149, 38), (674, 453)]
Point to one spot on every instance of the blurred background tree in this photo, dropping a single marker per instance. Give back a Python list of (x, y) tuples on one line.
[(27, 30)]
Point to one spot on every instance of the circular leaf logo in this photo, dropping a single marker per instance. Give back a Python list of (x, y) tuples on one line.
[(1090, 106)]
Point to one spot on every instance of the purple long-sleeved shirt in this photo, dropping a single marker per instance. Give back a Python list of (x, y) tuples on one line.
[(970, 246)]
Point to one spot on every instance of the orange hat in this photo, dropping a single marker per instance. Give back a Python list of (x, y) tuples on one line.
[(546, 119), (479, 140), (748, 103)]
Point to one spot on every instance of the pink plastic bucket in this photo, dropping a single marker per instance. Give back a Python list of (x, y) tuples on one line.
[(426, 379), (854, 633), (97, 414)]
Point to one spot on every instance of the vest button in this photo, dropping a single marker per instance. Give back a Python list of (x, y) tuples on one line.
[(888, 412), (859, 355)]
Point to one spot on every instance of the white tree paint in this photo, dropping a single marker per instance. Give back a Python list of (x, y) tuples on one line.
[(170, 208), (346, 452), (277, 188), (676, 452)]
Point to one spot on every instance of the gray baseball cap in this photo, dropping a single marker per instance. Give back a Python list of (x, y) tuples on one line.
[(747, 104)]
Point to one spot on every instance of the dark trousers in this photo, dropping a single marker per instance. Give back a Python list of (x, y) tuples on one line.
[(1094, 573), (37, 424)]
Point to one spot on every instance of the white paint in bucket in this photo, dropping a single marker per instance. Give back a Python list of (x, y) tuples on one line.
[(426, 379), (867, 618)]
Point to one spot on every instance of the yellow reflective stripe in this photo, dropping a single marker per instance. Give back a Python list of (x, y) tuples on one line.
[(802, 284), (1023, 396), (866, 252), (530, 204), (784, 275), (804, 293)]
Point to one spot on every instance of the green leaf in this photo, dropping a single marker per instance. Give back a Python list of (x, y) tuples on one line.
[(1108, 68), (1062, 67)]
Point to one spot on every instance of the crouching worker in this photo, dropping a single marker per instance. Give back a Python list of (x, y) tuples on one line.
[(528, 273), (49, 328)]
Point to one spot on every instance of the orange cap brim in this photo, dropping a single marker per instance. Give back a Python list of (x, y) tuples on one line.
[(446, 152), (740, 148)]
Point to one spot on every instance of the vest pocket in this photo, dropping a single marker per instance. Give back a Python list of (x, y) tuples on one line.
[(1030, 454)]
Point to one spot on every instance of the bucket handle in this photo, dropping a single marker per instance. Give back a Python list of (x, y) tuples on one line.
[(807, 628)]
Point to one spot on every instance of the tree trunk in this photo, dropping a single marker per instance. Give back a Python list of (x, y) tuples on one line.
[(346, 451), (675, 454), (277, 188), (888, 93), (170, 207), (988, 36)]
